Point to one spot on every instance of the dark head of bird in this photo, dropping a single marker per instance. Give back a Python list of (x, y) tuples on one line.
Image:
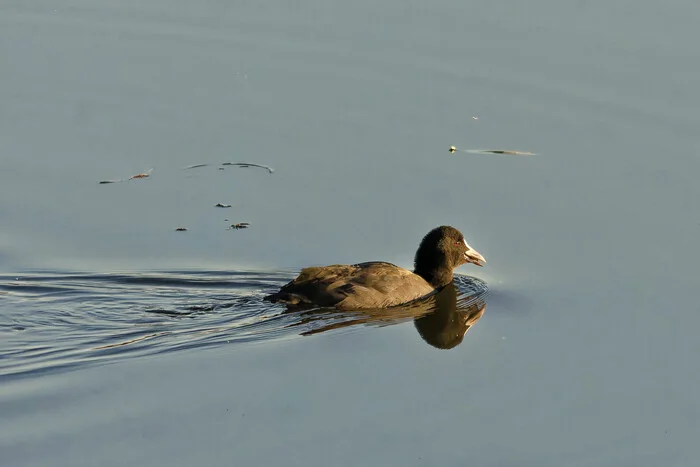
[(440, 252)]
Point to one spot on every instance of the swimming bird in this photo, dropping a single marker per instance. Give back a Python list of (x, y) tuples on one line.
[(379, 284)]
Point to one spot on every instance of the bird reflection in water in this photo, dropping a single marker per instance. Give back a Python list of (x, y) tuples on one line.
[(441, 320)]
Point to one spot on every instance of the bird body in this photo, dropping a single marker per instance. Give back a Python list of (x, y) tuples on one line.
[(379, 284)]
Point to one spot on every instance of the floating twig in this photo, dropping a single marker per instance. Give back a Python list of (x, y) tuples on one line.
[(248, 164), (242, 225), (237, 164), (492, 151), (145, 174)]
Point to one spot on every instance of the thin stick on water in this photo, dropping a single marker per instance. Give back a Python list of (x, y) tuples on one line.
[(492, 151), (247, 164), (145, 174), (237, 164)]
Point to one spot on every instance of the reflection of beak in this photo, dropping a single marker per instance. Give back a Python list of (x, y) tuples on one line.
[(473, 256)]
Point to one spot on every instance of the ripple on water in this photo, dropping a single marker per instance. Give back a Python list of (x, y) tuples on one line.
[(53, 321)]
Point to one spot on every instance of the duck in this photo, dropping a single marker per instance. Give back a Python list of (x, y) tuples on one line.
[(379, 284)]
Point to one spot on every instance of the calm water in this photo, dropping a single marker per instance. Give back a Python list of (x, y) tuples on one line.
[(124, 341)]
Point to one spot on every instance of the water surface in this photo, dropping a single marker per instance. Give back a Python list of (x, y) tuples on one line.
[(585, 353), (59, 321)]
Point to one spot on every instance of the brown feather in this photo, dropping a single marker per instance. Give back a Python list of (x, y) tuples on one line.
[(365, 285), (379, 284)]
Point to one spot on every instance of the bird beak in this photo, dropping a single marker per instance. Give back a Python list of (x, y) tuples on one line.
[(474, 257)]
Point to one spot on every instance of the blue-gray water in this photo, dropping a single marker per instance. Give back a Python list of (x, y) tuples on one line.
[(124, 341), (55, 322)]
